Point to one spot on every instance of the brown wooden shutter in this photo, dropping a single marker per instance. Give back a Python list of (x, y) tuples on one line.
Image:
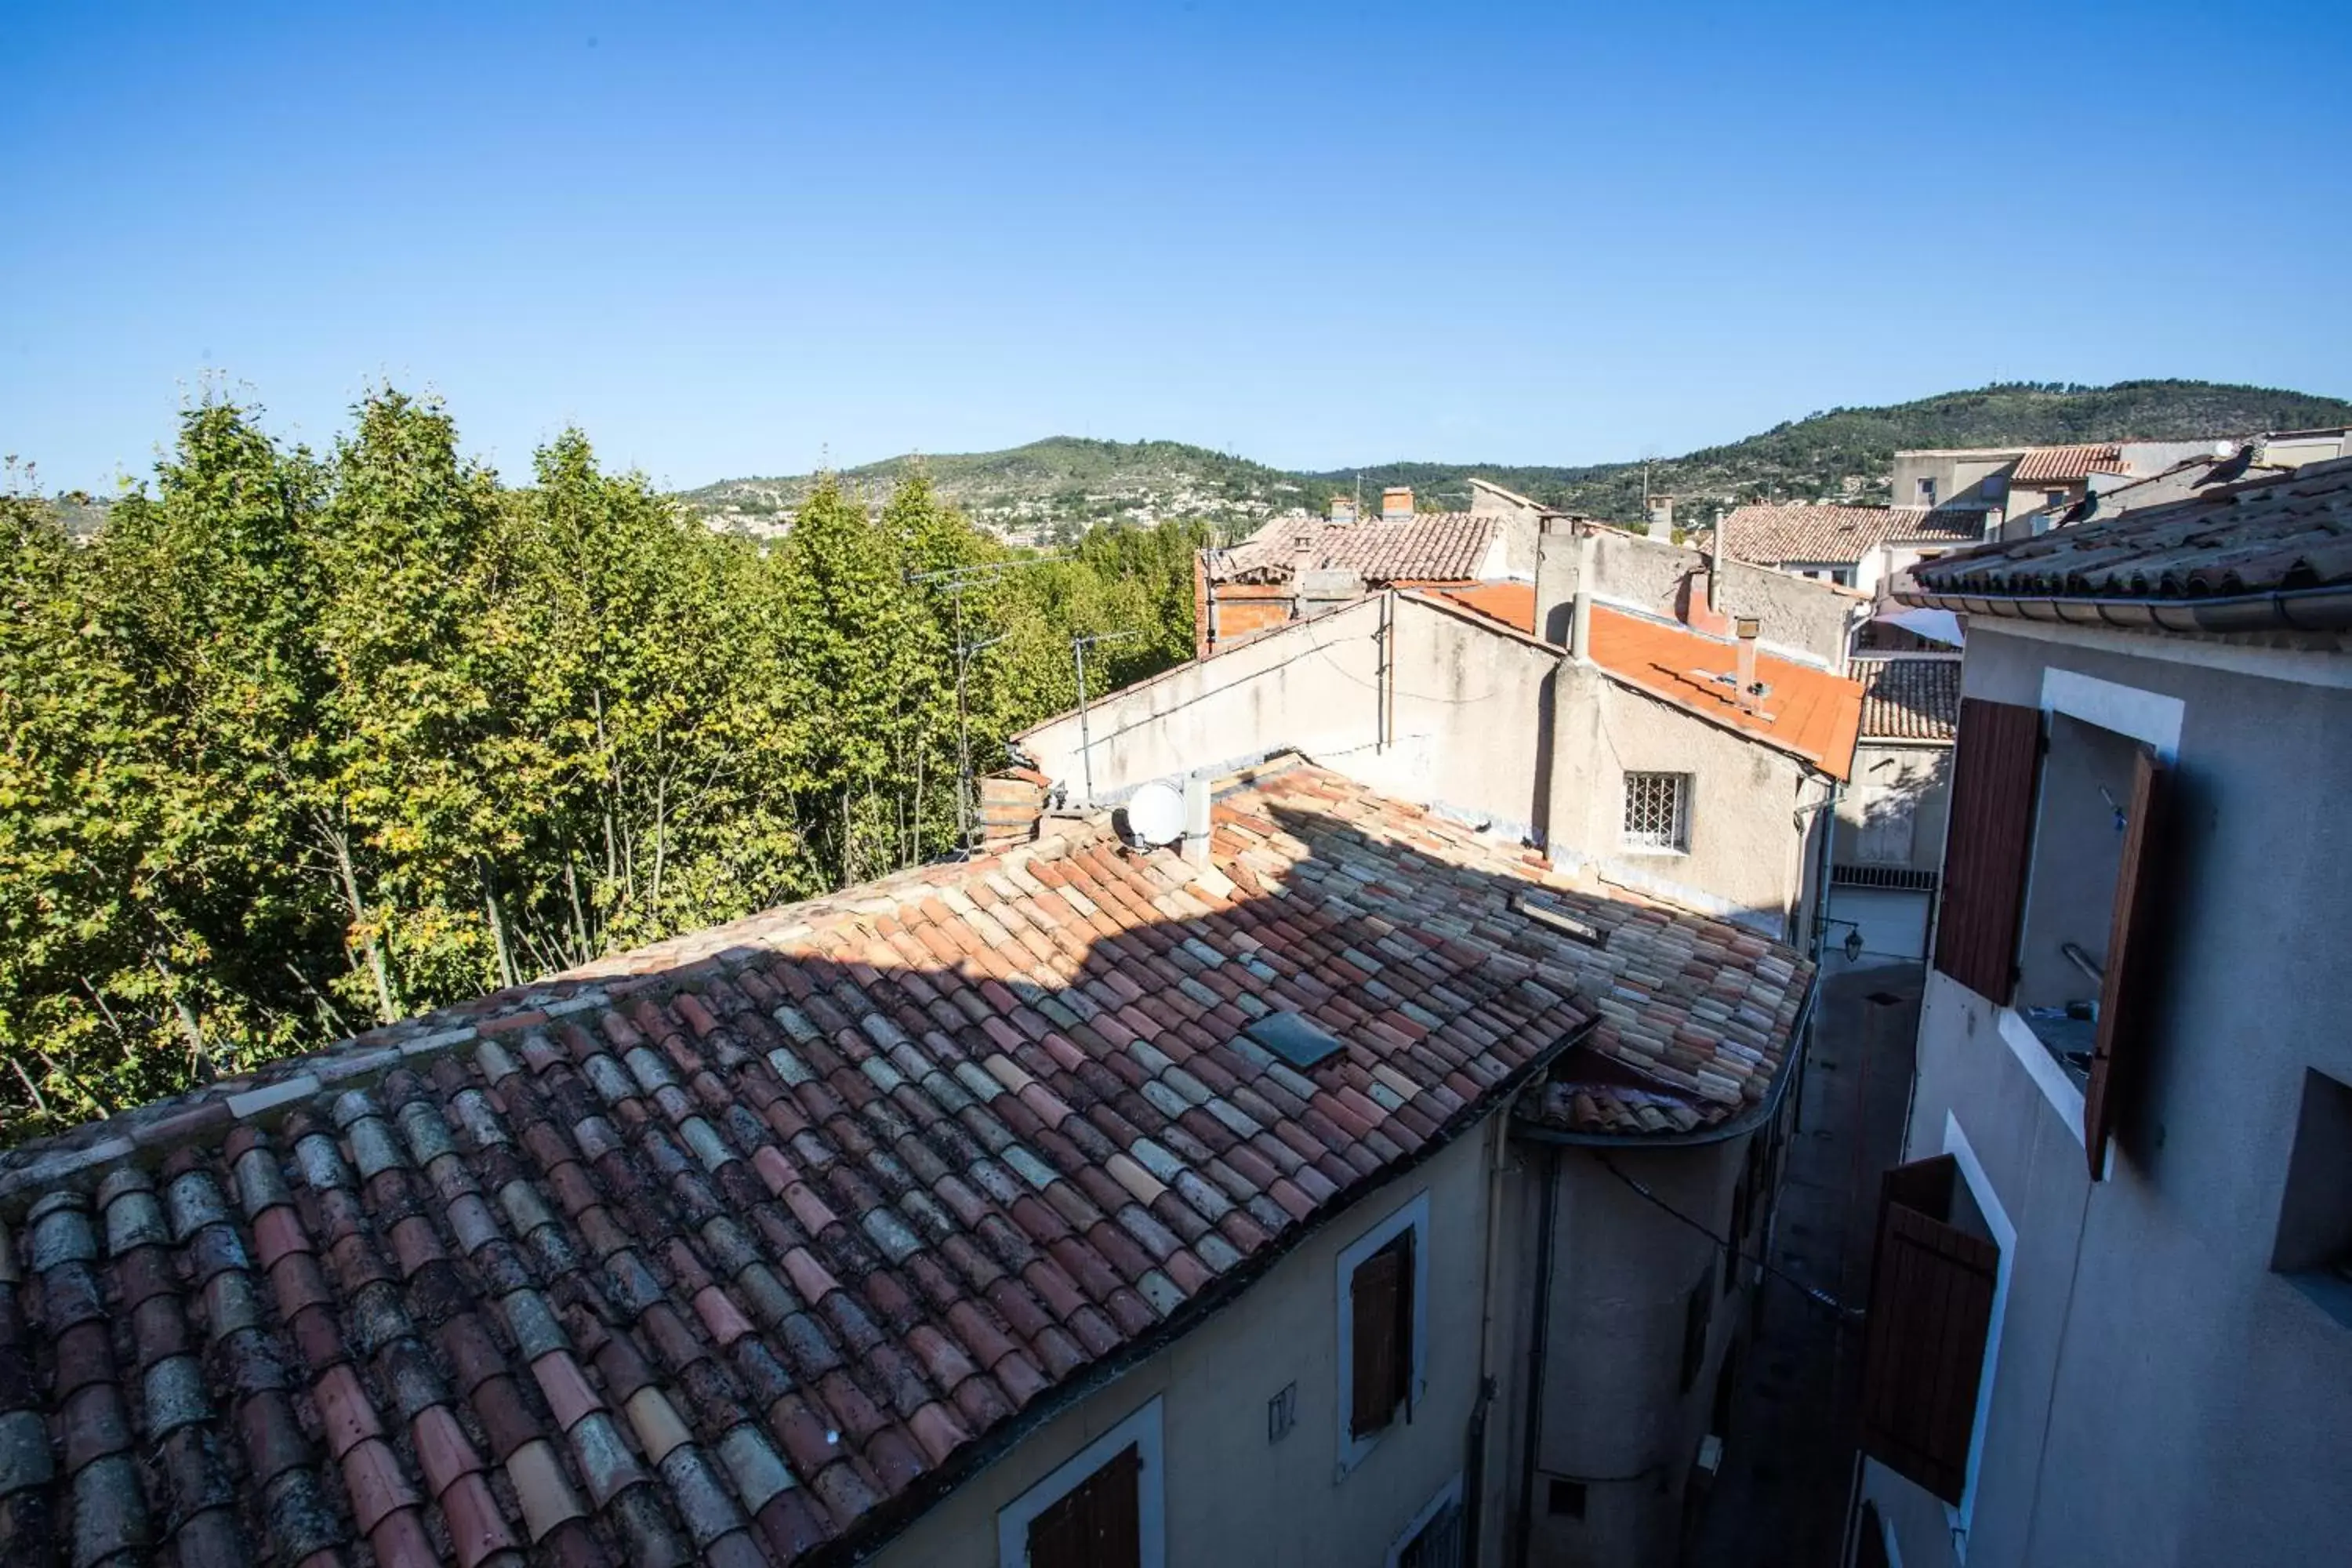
[(1997, 760), (2127, 991), (1931, 1289), (1098, 1523), (1379, 1303)]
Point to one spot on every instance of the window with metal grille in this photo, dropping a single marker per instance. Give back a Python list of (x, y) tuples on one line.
[(1657, 811)]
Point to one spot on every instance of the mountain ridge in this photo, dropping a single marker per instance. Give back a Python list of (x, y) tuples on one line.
[(1050, 490)]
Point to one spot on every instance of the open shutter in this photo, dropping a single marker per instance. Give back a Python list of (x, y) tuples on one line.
[(1996, 759), (1377, 1289), (1931, 1291), (2127, 993), (1098, 1523)]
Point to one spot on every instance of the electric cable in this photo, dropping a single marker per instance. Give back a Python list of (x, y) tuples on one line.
[(1814, 1294)]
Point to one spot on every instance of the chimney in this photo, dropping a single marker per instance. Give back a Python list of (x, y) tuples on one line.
[(1011, 803), (1747, 627), (1715, 566), (1580, 614), (1396, 501), (1343, 509), (1196, 819)]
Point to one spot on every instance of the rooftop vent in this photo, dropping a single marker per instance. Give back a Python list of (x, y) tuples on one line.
[(1575, 928), (1294, 1039)]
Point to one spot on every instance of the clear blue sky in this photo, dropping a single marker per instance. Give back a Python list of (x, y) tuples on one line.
[(726, 241)]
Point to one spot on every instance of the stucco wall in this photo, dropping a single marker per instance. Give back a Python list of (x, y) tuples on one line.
[(1522, 522), (2160, 1396), (1466, 729), (1801, 620), (1884, 774), (1614, 1412), (1232, 1495), (1744, 860)]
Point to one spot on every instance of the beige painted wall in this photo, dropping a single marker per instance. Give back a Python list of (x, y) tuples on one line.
[(1233, 1497), (1888, 776), (1465, 730), (1745, 858)]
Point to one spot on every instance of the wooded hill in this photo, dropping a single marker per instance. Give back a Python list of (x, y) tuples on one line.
[(1051, 489)]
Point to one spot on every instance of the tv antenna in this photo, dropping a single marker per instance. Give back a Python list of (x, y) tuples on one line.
[(1079, 643), (954, 580)]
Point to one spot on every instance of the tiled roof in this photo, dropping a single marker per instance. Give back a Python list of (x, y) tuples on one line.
[(2044, 464), (1447, 546), (1768, 535), (1910, 698), (2259, 536), (738, 1248), (1808, 712)]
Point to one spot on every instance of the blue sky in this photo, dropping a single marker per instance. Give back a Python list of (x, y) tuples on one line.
[(730, 241)]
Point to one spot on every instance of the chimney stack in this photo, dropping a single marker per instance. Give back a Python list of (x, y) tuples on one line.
[(1579, 613), (1196, 819), (1715, 566), (1343, 509), (1747, 627), (1396, 501)]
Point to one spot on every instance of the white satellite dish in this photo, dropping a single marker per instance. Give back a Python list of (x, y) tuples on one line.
[(1155, 813)]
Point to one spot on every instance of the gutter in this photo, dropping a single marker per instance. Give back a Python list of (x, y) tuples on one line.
[(2321, 609), (1747, 1122)]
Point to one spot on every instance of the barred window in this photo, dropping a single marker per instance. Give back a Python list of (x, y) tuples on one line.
[(1657, 811)]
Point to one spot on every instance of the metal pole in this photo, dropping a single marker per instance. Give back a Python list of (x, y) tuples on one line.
[(1086, 741), (963, 734)]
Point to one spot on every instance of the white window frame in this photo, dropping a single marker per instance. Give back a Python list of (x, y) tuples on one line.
[(1686, 785), (1142, 1430), (1959, 1517), (1450, 1493), (1413, 1215)]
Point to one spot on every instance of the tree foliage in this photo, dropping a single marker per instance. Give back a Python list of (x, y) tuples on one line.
[(294, 744)]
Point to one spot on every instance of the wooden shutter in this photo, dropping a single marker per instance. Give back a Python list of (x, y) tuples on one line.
[(1997, 760), (1931, 1289), (2127, 991), (1380, 1305), (1098, 1523)]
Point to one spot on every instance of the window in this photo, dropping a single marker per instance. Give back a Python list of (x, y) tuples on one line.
[(1699, 1311), (1380, 1351), (2054, 498), (2314, 1229), (1657, 812), (1935, 1279), (1433, 1539), (1995, 762), (1383, 1281), (1926, 491), (1103, 1509)]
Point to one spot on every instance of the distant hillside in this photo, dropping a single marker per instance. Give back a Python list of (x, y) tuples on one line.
[(1055, 488), (1049, 491), (1845, 453)]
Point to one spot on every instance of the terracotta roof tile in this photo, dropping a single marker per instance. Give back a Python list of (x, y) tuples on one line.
[(1808, 712), (1772, 535), (767, 1266), (1443, 546), (2046, 464), (2257, 536), (1910, 698)]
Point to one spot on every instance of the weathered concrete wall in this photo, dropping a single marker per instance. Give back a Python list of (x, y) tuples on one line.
[(1614, 1412), (1746, 855), (1971, 480), (1522, 525), (2159, 1395), (1809, 622), (1232, 1495), (1464, 711)]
